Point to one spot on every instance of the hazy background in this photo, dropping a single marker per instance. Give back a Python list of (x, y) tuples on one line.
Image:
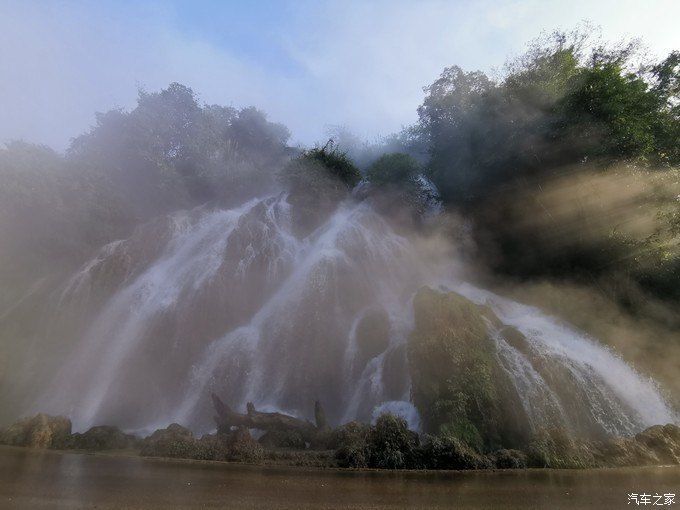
[(308, 64)]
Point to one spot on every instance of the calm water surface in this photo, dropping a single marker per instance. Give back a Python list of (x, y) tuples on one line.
[(34, 479)]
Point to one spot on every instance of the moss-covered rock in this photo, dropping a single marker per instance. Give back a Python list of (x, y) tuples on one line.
[(102, 437), (39, 431), (457, 384)]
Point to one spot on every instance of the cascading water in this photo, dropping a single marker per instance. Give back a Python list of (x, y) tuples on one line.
[(232, 301)]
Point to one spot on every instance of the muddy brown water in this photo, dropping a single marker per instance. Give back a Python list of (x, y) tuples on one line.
[(44, 479)]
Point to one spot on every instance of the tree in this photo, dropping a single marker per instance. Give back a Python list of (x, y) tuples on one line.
[(396, 169)]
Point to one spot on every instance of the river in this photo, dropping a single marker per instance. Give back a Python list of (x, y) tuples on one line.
[(46, 479)]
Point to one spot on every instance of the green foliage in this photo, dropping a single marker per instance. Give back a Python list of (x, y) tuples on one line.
[(172, 152), (351, 443), (496, 145), (609, 113), (388, 444), (447, 451), (396, 169), (557, 105), (391, 444)]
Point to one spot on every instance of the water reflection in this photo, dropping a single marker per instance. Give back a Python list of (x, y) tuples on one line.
[(34, 479)]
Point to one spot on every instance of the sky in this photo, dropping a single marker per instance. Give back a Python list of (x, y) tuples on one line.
[(308, 64)]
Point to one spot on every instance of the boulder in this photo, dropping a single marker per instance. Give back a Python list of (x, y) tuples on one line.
[(372, 335), (39, 431)]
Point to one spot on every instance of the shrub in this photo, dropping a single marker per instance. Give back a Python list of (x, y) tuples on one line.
[(325, 163), (446, 451), (351, 443), (391, 444)]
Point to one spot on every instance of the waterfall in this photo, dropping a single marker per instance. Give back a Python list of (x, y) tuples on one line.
[(232, 301)]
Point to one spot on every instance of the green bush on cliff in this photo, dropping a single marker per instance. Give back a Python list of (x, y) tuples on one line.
[(317, 181), (327, 163)]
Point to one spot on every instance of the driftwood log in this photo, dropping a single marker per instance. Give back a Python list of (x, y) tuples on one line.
[(226, 418)]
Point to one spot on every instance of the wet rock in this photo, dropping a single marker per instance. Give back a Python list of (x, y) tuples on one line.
[(372, 335), (39, 431), (394, 367), (102, 437)]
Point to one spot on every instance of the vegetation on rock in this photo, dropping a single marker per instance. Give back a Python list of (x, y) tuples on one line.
[(317, 180)]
